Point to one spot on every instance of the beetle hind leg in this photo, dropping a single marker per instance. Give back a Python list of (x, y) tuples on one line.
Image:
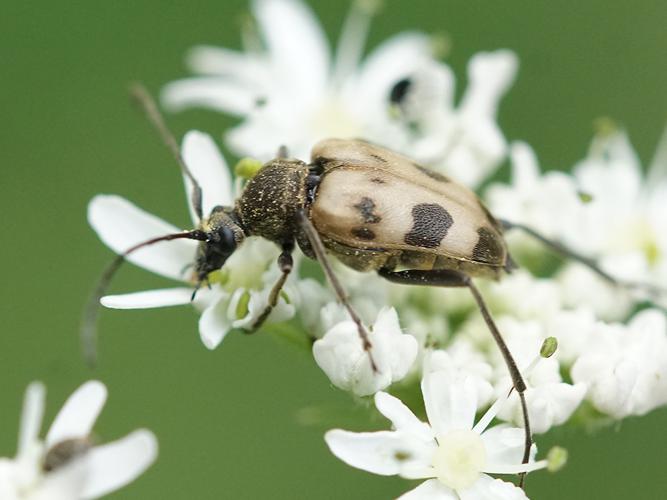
[(453, 279)]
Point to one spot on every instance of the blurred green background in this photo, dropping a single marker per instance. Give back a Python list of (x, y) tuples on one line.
[(227, 420)]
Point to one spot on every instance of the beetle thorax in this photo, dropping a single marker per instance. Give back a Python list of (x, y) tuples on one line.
[(269, 203)]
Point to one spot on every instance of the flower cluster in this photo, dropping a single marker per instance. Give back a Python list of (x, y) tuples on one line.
[(604, 214)]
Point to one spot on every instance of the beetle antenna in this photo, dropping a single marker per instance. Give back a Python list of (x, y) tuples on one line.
[(88, 329), (147, 104)]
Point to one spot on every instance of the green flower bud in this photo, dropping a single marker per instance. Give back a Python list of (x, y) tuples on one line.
[(247, 168), (556, 459), (549, 347), (242, 305)]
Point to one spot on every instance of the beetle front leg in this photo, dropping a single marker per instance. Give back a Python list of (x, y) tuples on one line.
[(320, 254), (285, 263), (454, 279)]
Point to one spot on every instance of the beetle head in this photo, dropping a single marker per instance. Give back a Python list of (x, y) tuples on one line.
[(223, 236)]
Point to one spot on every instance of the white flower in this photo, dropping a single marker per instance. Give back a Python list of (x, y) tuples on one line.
[(288, 90), (461, 358), (321, 311), (524, 296), (452, 453), (120, 225), (550, 401), (244, 294), (580, 287), (624, 223), (547, 202), (573, 329), (604, 211), (286, 101), (465, 141), (341, 355), (625, 367), (67, 465)]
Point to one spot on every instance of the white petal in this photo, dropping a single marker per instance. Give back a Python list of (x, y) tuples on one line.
[(65, 483), (116, 464), (432, 489), (240, 67), (553, 404), (401, 417), (504, 446), (209, 92), (386, 452), (525, 168), (296, 44), (387, 321), (209, 169), (490, 74), (450, 400), (487, 488), (121, 225), (31, 416), (657, 171), (79, 413), (395, 59), (341, 356), (149, 299), (395, 352), (214, 324), (429, 101)]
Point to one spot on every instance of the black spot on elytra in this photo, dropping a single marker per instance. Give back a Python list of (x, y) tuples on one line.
[(430, 223), (488, 248), (377, 180), (363, 233), (436, 176), (378, 158), (366, 209), (399, 91)]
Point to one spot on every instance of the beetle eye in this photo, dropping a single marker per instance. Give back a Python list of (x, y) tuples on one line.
[(226, 240)]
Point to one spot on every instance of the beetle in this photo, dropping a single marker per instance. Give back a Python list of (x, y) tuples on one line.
[(371, 208)]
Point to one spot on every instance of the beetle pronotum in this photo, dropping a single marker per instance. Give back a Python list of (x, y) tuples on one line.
[(371, 208)]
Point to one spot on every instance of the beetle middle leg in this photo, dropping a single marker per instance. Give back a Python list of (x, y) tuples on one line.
[(285, 263), (320, 254), (454, 279)]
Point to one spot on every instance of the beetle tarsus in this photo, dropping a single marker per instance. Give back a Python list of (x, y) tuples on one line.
[(285, 264)]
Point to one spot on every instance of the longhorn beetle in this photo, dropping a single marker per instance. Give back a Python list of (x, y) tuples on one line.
[(373, 209)]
